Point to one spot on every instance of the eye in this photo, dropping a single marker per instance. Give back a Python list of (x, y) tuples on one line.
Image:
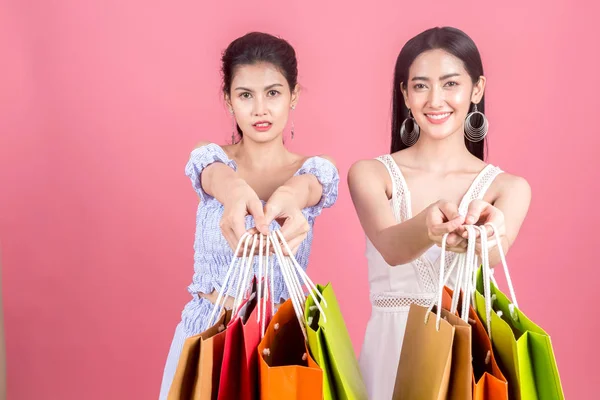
[(245, 95), (451, 83), (272, 93), (419, 86)]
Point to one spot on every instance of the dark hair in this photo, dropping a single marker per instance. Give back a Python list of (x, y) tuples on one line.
[(451, 40), (258, 47)]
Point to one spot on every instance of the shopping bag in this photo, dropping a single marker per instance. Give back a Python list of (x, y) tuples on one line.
[(329, 343), (488, 381), (426, 357), (287, 370), (524, 349), (199, 367), (239, 370)]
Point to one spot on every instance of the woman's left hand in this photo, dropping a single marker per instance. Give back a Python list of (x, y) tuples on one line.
[(283, 208)]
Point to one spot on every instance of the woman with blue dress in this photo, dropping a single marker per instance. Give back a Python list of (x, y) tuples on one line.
[(254, 185)]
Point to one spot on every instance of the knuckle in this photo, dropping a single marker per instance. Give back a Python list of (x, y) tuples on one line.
[(256, 203)]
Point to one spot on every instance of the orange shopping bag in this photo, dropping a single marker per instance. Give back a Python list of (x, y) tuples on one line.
[(488, 381), (286, 368)]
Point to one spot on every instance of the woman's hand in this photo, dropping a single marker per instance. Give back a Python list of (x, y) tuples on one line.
[(241, 201), (483, 213), (443, 218), (283, 208)]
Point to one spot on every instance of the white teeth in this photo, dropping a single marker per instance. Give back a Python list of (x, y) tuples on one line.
[(438, 116), (263, 125)]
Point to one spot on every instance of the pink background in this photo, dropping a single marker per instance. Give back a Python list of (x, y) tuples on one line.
[(103, 101)]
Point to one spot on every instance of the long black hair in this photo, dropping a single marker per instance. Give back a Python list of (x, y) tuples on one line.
[(254, 48), (453, 41)]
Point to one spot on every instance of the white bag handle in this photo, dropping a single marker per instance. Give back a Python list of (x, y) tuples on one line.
[(264, 288), (467, 273), (261, 275), (441, 283), (221, 297), (307, 281), (245, 274), (471, 264), (290, 270), (471, 269), (295, 296), (466, 276), (463, 281), (263, 291), (487, 272), (504, 266), (464, 272), (487, 278)]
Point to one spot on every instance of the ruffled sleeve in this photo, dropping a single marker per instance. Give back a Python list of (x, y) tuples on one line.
[(328, 176), (202, 157)]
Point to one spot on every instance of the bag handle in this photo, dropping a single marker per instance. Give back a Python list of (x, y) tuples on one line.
[(463, 275), (264, 288), (242, 291), (293, 274), (464, 280), (295, 266), (504, 265), (221, 298), (307, 281), (291, 284)]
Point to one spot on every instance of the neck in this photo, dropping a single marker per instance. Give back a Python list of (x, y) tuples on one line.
[(255, 155), (443, 155)]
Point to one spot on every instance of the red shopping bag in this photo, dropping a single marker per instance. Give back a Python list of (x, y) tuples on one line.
[(239, 370)]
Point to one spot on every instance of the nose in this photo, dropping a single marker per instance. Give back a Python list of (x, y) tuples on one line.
[(260, 108), (436, 97)]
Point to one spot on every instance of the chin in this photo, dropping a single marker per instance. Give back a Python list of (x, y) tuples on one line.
[(439, 132), (259, 137)]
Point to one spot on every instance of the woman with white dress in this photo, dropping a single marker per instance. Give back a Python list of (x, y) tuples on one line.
[(434, 182)]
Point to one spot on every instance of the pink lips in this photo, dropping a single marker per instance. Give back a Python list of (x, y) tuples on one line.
[(266, 126)]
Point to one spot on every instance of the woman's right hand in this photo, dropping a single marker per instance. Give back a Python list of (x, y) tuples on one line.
[(241, 201), (443, 217)]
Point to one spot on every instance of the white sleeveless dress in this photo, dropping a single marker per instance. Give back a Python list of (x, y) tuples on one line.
[(393, 289)]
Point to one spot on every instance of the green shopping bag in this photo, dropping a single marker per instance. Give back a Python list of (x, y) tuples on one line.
[(523, 349), (317, 348), (330, 345)]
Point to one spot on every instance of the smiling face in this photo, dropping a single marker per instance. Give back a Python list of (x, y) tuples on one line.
[(439, 92), (261, 99)]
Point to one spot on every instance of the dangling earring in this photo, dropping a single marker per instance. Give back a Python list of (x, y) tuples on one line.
[(293, 108), (234, 128), (472, 133), (409, 138)]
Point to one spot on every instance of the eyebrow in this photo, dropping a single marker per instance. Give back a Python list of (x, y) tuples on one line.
[(266, 88), (424, 78)]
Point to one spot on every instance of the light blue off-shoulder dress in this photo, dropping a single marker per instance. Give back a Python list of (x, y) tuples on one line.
[(212, 253)]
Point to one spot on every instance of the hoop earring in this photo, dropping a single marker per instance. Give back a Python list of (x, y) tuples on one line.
[(409, 138), (476, 133)]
